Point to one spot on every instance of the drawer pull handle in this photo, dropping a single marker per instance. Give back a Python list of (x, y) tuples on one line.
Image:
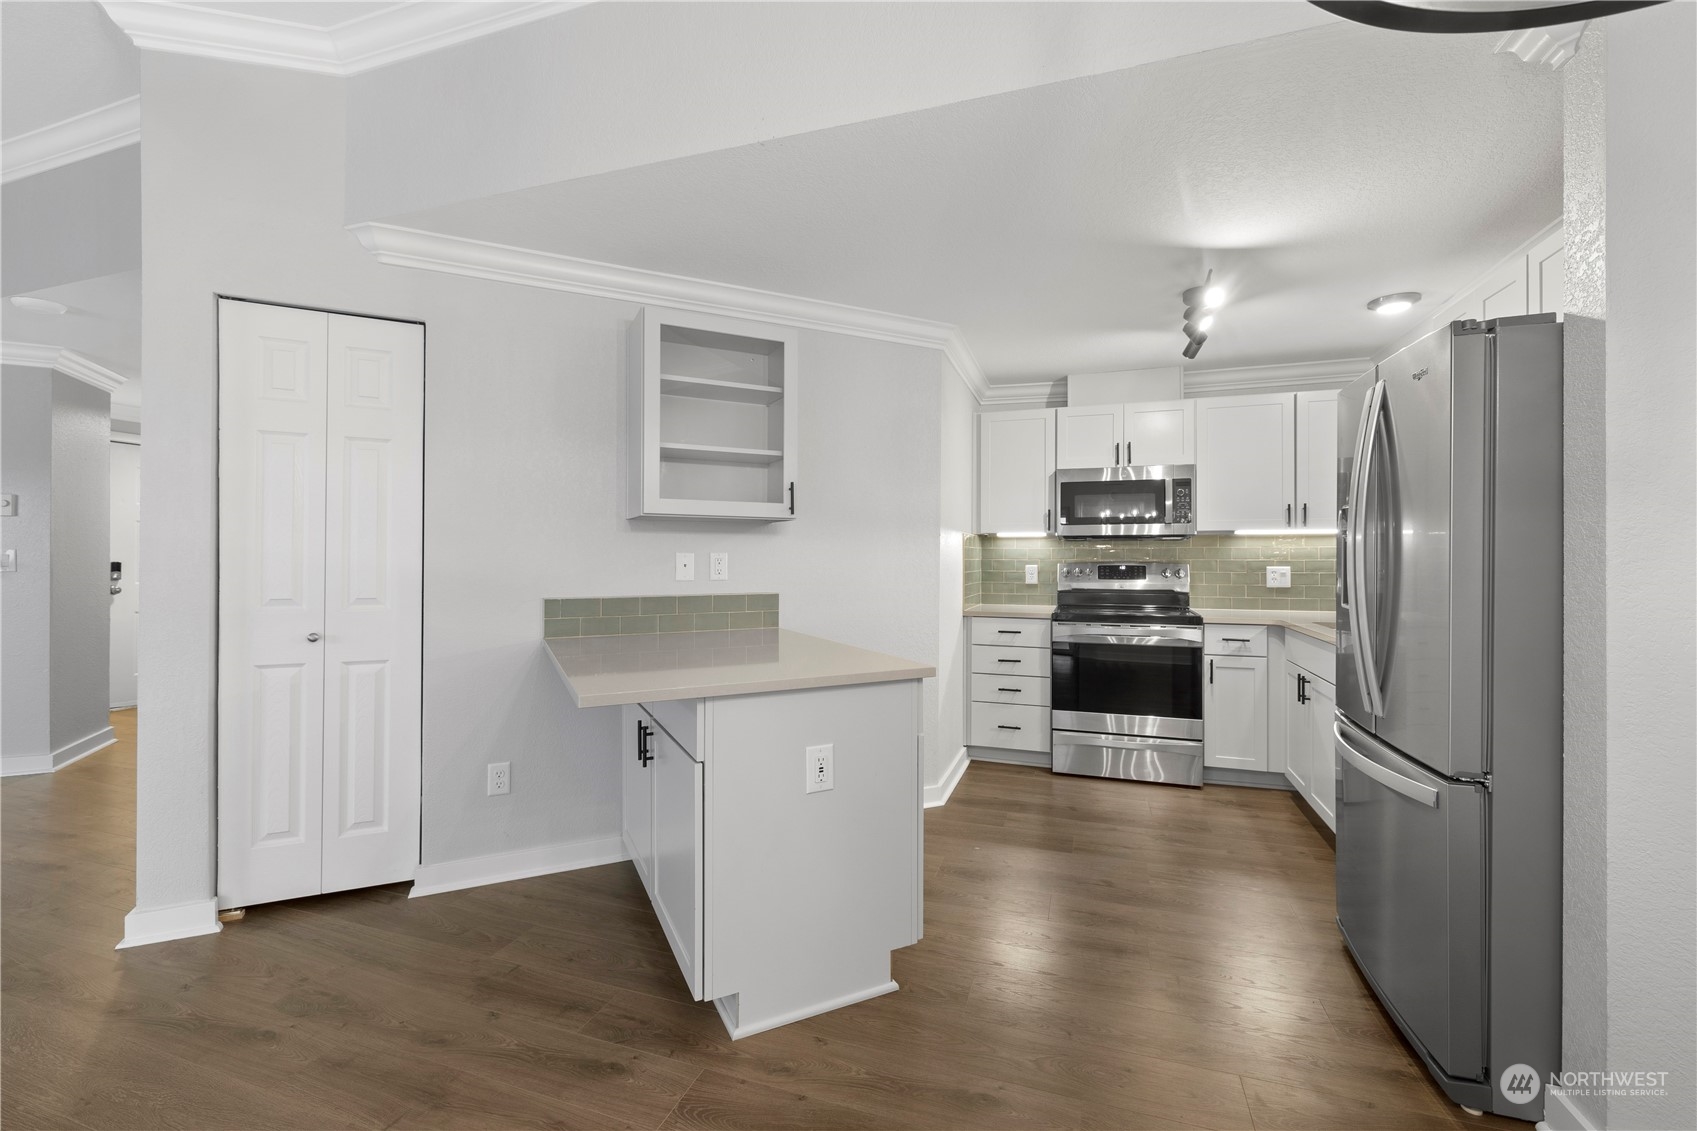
[(1010, 661), (1235, 639), (1010, 690), (1010, 632), (1005, 726)]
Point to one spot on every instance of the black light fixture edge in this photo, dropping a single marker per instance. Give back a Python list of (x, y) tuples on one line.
[(1401, 17)]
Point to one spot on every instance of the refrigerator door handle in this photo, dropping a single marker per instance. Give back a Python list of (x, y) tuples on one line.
[(1384, 775), (1354, 580), (1365, 605)]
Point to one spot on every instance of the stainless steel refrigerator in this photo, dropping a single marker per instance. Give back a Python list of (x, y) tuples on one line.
[(1449, 690)]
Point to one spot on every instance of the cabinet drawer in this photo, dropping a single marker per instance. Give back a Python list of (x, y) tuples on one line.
[(680, 718), (990, 659), (1317, 658), (1020, 690), (1235, 640), (1012, 728), (1008, 631)]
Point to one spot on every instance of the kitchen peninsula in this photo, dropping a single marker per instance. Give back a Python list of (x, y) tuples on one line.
[(773, 786)]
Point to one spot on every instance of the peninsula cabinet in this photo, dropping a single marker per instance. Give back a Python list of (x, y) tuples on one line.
[(1016, 456), (712, 417)]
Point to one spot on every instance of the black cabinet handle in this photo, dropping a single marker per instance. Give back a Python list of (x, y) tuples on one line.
[(1235, 639), (1005, 726), (1010, 631), (1210, 671), (1302, 689), (1305, 514), (1048, 519), (1010, 690), (642, 736), (1010, 661), (1116, 453), (792, 497), (1287, 514)]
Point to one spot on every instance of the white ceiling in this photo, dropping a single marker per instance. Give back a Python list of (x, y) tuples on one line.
[(103, 324), (1057, 225), (58, 59)]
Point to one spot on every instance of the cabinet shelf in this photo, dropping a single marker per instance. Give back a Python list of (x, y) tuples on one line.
[(713, 453), (707, 388)]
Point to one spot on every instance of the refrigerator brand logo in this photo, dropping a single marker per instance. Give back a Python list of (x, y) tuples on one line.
[(1520, 1084), (1419, 373)]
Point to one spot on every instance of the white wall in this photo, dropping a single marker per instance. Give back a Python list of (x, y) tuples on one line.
[(79, 221), (1630, 970), (243, 195), (26, 470), (82, 532), (959, 426)]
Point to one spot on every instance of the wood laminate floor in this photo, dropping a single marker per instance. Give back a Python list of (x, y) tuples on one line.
[(1096, 955)]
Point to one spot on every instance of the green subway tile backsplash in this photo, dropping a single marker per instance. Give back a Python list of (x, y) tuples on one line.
[(629, 616), (1227, 570)]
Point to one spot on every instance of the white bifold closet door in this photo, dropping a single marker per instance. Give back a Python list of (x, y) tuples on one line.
[(320, 590)]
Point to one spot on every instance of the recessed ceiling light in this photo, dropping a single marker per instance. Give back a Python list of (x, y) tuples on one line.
[(38, 305), (1394, 304)]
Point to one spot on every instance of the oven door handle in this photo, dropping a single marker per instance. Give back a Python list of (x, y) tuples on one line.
[(1128, 634), (1141, 640)]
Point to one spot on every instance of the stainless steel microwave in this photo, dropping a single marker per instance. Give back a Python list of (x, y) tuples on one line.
[(1152, 501)]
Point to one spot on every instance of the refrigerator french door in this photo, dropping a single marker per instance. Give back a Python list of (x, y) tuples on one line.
[(1448, 729)]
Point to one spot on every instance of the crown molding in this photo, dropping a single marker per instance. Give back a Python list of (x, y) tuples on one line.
[(1552, 45), (1036, 394), (86, 135), (397, 32), (61, 360), (456, 255), (1327, 374)]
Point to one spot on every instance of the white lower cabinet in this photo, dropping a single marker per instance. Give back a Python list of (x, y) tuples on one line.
[(732, 846), (1234, 697), (1310, 756), (1010, 686)]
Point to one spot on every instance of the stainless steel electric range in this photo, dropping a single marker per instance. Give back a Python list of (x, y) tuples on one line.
[(1126, 661)]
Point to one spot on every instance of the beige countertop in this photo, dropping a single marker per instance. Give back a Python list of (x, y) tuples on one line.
[(1317, 624), (602, 671)]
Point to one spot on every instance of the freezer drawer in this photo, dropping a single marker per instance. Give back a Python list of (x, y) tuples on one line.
[(1411, 894)]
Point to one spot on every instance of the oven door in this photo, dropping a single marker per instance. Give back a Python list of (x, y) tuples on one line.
[(1127, 679)]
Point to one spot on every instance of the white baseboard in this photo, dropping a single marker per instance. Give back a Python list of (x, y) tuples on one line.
[(163, 924), (433, 879), (730, 1011), (1012, 757), (60, 758), (938, 794), (1561, 1114)]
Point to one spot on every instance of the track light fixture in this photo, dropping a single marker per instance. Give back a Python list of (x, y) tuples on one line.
[(1199, 306)]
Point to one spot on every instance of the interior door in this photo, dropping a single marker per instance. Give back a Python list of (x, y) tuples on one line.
[(1411, 899), (373, 600), (126, 550), (272, 415)]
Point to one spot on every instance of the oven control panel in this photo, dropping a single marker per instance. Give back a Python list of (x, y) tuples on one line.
[(1124, 575)]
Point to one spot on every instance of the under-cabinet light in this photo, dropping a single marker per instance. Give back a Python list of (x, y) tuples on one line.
[(1022, 533), (1304, 530)]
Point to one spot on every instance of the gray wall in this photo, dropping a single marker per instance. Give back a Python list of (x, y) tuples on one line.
[(79, 221), (242, 183), (1630, 859), (82, 533), (26, 470)]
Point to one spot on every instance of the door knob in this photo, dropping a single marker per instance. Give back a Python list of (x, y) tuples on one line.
[(312, 638)]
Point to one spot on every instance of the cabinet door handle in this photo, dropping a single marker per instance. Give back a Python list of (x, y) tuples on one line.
[(1210, 671), (642, 735), (1005, 726), (1116, 453), (1048, 520), (792, 497), (1011, 690), (1010, 632), (1235, 639), (1287, 514), (1302, 689), (1305, 514), (1010, 661)]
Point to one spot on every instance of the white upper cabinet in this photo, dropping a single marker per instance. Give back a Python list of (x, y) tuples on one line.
[(712, 417), (1144, 432), (1090, 436), (1016, 455), (1317, 460), (1160, 432), (1546, 275), (1246, 462)]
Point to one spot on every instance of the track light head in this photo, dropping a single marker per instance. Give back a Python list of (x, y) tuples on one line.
[(1195, 346)]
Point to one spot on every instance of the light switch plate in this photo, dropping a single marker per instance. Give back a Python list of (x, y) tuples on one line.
[(8, 561), (1031, 575), (8, 506), (686, 567), (1278, 577)]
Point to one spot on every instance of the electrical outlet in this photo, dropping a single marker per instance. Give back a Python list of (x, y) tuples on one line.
[(8, 506), (1278, 577), (686, 567), (1031, 574), (719, 566), (500, 778), (820, 770)]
